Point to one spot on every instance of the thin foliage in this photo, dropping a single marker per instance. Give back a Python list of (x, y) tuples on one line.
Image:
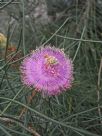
[(76, 29)]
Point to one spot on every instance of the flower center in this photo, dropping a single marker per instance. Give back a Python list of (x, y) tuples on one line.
[(51, 60), (51, 65)]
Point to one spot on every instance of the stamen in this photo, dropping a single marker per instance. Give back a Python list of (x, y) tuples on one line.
[(51, 60)]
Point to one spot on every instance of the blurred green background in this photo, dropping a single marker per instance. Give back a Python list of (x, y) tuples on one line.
[(72, 25)]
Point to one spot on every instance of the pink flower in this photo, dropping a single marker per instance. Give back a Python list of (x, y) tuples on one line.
[(48, 70)]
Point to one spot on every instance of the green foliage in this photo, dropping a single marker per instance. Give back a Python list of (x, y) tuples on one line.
[(76, 112)]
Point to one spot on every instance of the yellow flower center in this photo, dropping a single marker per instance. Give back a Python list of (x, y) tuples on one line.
[(51, 60)]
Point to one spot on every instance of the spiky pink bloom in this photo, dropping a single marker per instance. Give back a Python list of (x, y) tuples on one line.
[(48, 70)]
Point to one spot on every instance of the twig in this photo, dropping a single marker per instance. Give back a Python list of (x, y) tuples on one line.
[(78, 39), (98, 90), (29, 101), (14, 120), (6, 4)]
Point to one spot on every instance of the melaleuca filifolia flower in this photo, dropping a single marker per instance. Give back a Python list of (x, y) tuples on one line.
[(48, 70)]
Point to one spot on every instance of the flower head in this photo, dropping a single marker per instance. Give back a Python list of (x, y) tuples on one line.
[(47, 69)]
